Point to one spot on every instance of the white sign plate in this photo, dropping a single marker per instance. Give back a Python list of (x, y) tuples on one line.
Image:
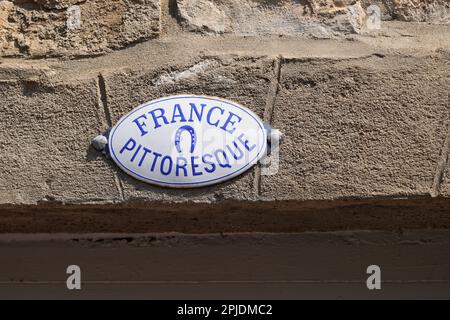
[(187, 141)]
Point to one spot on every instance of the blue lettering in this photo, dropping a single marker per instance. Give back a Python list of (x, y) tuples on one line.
[(144, 155), (245, 143), (181, 166), (135, 153), (241, 153), (127, 145), (223, 165), (160, 116), (157, 155), (141, 125), (212, 164), (178, 113), (197, 113), (194, 166), (230, 121), (208, 117), (163, 161)]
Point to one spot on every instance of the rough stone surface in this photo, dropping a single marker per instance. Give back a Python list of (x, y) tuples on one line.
[(56, 4), (444, 186), (47, 28), (360, 128), (324, 18), (365, 118), (433, 11), (46, 129), (356, 122), (244, 80), (50, 28)]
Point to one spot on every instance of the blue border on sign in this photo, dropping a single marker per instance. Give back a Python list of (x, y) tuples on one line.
[(251, 162)]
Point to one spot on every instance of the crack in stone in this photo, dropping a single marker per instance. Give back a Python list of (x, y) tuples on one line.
[(103, 101), (443, 161), (273, 91), (167, 11), (119, 186), (269, 110), (162, 14)]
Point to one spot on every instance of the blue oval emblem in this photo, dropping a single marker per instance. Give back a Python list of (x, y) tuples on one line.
[(187, 141)]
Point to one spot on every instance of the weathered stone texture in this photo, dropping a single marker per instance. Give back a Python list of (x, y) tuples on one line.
[(255, 17), (434, 11), (443, 180), (353, 128), (55, 4), (46, 130), (244, 80), (356, 125), (47, 28), (360, 128)]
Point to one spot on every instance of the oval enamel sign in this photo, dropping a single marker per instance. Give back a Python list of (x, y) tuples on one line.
[(187, 141)]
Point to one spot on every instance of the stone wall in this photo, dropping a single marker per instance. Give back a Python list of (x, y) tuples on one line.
[(364, 111), (44, 28)]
